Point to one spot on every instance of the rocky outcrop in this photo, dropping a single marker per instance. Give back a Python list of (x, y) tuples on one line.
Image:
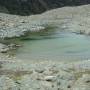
[(16, 26), (24, 7)]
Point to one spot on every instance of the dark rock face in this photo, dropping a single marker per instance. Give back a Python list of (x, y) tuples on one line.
[(26, 7)]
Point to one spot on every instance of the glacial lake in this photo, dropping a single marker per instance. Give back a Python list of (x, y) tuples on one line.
[(54, 45)]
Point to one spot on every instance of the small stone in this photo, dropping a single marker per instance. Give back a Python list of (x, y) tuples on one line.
[(68, 86), (3, 48), (50, 78), (39, 70), (88, 81)]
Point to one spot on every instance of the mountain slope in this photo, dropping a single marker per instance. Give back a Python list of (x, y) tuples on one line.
[(24, 7)]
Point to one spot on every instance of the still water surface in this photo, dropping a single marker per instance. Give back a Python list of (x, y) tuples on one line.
[(55, 45)]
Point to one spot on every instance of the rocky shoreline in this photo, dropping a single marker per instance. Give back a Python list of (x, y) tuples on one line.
[(44, 75)]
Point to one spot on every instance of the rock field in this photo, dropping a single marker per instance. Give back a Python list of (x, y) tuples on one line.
[(45, 75)]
